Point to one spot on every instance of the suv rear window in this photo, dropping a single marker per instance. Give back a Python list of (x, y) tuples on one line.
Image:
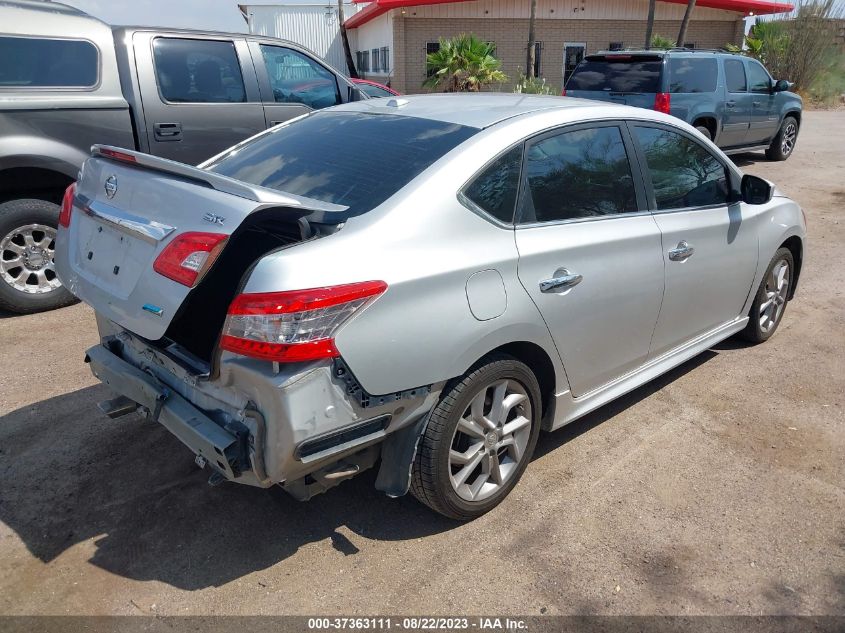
[(617, 73), (349, 158), (692, 75), (47, 63)]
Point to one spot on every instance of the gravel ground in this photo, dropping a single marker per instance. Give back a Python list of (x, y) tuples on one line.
[(717, 489)]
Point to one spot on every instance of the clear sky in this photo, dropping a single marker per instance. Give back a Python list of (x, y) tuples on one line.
[(212, 15)]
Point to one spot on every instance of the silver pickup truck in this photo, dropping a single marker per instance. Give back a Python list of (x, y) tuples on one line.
[(68, 81)]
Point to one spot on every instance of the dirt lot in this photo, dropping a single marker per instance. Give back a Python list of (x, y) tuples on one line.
[(718, 489)]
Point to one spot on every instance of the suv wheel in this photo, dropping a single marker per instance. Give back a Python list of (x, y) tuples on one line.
[(479, 439), (28, 281), (783, 144)]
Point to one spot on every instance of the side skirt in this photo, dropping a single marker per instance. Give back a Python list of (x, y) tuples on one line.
[(568, 408)]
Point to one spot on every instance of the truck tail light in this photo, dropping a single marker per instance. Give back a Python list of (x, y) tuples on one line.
[(663, 102), (189, 256), (296, 325), (563, 92), (67, 205)]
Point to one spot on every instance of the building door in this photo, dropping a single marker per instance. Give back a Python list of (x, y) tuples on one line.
[(573, 53)]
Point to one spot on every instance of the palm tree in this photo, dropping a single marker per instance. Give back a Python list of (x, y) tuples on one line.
[(531, 60), (682, 34), (350, 65), (649, 27), (463, 64)]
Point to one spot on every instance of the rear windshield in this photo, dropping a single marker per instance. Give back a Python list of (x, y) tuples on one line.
[(692, 75), (47, 63), (617, 75), (349, 158)]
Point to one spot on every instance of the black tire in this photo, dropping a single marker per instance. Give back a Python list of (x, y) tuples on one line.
[(780, 150), (754, 332), (704, 130), (14, 215), (431, 481)]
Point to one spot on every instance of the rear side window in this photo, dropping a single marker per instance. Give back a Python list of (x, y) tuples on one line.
[(735, 75), (579, 174), (198, 71), (683, 173), (687, 75), (494, 190), (47, 63), (349, 158), (296, 78), (617, 75)]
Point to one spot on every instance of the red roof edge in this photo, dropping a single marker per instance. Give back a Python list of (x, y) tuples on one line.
[(747, 7)]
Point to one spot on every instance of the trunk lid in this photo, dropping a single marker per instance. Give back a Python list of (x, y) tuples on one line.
[(127, 209)]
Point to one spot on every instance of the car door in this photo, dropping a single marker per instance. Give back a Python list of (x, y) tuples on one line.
[(765, 119), (197, 97), (589, 252), (737, 113), (709, 243), (292, 83)]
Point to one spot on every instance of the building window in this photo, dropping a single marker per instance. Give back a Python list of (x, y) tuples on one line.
[(358, 61), (689, 44), (615, 46), (376, 60), (538, 48), (430, 47), (385, 59), (365, 61)]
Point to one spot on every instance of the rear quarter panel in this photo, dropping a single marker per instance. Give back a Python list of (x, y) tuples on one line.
[(425, 245)]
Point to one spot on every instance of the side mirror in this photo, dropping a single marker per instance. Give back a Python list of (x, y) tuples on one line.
[(781, 85), (356, 94), (755, 190)]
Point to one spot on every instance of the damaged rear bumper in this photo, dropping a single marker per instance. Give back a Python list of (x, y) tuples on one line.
[(224, 450)]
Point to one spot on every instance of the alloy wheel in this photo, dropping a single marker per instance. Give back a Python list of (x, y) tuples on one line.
[(787, 142), (27, 259), (777, 287), (490, 440)]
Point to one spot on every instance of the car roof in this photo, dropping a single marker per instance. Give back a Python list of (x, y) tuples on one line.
[(479, 110)]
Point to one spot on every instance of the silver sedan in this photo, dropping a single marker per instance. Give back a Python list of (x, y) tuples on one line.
[(419, 284)]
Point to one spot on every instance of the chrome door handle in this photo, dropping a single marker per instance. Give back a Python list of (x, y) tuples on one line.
[(563, 280), (730, 104), (681, 252)]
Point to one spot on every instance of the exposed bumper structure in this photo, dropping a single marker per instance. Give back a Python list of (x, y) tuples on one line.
[(222, 450)]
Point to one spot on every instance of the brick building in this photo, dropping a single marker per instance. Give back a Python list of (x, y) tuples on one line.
[(390, 38)]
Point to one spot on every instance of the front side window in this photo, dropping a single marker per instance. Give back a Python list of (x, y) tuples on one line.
[(495, 189), (735, 75), (198, 71), (758, 78), (350, 158), (683, 172), (687, 74), (579, 174), (32, 62), (296, 78)]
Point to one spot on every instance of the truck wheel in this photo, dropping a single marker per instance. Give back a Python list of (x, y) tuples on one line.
[(479, 439), (783, 144), (28, 281), (704, 130)]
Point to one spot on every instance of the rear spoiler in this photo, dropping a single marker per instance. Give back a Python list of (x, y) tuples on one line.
[(266, 197)]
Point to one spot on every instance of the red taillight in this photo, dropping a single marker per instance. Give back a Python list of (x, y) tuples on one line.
[(67, 205), (294, 326), (563, 92), (122, 156), (187, 258), (663, 102)]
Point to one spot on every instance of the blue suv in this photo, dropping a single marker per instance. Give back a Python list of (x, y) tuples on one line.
[(729, 98)]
